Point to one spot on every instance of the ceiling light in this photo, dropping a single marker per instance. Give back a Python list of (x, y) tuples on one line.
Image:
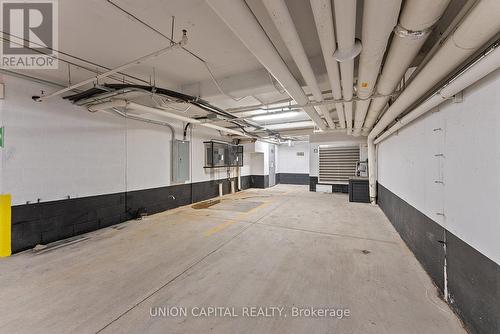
[(304, 124), (281, 115)]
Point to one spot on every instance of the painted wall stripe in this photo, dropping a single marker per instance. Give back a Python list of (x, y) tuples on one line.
[(5, 225)]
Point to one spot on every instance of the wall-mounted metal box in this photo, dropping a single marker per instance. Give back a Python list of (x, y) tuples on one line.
[(359, 190), (180, 161), (220, 154)]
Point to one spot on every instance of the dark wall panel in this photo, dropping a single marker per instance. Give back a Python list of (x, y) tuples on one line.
[(419, 232), (42, 223), (313, 181), (292, 178), (473, 285), (245, 182), (259, 181), (473, 279)]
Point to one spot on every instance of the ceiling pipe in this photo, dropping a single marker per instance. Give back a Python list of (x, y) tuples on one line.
[(161, 112), (375, 36), (240, 19), (488, 63), (322, 12), (280, 15), (478, 27), (415, 25), (345, 24)]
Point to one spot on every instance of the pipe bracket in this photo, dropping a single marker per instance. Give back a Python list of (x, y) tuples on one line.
[(346, 55)]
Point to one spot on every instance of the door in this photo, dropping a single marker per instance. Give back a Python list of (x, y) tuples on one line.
[(272, 166)]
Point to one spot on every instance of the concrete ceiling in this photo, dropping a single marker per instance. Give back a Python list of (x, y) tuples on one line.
[(98, 31)]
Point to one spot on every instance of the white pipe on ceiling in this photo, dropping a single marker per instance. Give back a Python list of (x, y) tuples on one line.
[(375, 36), (280, 15), (415, 25), (322, 11), (481, 68), (478, 27), (345, 24), (161, 112), (240, 19)]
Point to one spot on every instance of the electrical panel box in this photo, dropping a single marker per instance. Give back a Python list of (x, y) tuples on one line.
[(180, 159), (220, 154)]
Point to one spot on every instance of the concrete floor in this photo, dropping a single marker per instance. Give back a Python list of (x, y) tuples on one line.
[(279, 247)]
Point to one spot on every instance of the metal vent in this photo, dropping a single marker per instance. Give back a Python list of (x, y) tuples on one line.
[(337, 164)]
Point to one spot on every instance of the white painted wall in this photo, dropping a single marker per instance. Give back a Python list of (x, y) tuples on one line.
[(470, 142), (336, 140), (55, 149), (263, 148), (290, 162)]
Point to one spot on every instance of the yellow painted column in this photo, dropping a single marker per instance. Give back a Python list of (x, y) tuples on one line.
[(5, 227)]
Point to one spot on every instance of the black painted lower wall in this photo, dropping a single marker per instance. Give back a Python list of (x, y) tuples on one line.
[(292, 178), (259, 181), (336, 188), (42, 223), (473, 279)]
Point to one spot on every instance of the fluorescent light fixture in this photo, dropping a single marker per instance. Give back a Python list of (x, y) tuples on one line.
[(272, 116), (294, 125)]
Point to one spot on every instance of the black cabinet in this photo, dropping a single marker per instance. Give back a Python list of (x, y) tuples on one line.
[(359, 190)]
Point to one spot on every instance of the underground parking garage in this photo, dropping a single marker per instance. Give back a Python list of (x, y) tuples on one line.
[(250, 166)]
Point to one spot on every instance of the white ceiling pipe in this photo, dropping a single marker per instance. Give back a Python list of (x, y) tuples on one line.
[(480, 25), (375, 36), (322, 11), (415, 23), (482, 67), (240, 19), (161, 112), (345, 24), (280, 15)]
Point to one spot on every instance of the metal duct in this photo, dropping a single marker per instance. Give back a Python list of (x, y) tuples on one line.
[(242, 22), (478, 27), (280, 15), (375, 36), (345, 24), (415, 25), (322, 11)]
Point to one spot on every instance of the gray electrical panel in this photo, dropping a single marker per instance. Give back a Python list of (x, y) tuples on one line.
[(180, 158)]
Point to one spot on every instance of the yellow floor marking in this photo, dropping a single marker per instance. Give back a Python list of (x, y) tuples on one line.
[(240, 215), (260, 206), (219, 227)]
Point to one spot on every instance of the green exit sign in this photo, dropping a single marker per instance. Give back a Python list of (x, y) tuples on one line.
[(2, 134)]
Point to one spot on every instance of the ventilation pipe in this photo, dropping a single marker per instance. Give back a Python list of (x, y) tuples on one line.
[(478, 27), (240, 19), (150, 110), (345, 20), (375, 35), (478, 70), (280, 15), (322, 11), (415, 24)]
